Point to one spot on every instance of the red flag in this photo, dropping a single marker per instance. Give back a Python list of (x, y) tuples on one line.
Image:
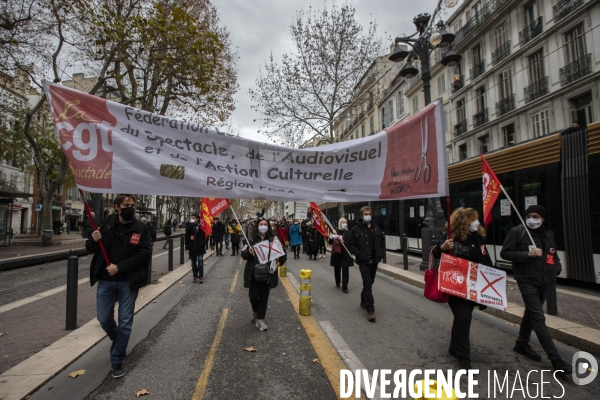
[(491, 191), (209, 207), (317, 219)]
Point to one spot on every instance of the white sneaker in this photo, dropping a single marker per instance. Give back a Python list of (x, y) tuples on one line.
[(260, 324)]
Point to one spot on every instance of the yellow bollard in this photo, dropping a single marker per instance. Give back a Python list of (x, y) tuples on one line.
[(283, 271), (305, 289), (431, 392)]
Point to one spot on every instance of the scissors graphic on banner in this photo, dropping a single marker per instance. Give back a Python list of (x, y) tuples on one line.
[(423, 166)]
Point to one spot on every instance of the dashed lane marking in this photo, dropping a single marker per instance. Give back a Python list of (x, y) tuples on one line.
[(237, 273)]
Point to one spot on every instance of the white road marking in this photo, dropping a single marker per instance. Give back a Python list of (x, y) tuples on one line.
[(294, 282), (350, 359)]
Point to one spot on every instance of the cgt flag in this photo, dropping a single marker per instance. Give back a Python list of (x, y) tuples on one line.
[(491, 191), (317, 219), (209, 207)]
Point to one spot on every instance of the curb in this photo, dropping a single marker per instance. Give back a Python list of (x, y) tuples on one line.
[(571, 333), (29, 375)]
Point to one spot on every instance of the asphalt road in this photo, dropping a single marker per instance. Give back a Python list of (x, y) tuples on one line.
[(170, 351)]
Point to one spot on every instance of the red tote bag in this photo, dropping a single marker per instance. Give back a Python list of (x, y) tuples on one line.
[(432, 283)]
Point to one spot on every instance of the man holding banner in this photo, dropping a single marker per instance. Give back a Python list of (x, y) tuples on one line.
[(536, 266), (367, 243)]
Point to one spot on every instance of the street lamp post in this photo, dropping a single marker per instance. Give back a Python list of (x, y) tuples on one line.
[(422, 46)]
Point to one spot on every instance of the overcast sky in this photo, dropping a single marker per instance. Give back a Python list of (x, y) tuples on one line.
[(259, 27)]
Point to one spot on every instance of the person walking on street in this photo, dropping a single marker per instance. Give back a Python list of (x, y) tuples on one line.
[(129, 248), (218, 232), (322, 247), (258, 285), (467, 242), (313, 237), (168, 231), (536, 266), (282, 235), (195, 247), (235, 232), (366, 242), (341, 261), (227, 235), (295, 235)]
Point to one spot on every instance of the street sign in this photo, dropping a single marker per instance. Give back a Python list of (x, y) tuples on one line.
[(38, 207)]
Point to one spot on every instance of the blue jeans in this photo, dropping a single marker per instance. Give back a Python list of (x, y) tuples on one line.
[(107, 295), (198, 270)]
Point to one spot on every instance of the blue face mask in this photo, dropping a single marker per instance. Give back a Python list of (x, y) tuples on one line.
[(367, 218)]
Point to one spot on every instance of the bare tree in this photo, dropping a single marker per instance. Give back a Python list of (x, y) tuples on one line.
[(307, 91)]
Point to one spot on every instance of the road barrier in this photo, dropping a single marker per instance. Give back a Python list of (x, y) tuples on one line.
[(72, 277), (305, 292), (283, 271)]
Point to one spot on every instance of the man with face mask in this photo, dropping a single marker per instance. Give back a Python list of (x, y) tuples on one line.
[(195, 246), (129, 247), (366, 242), (535, 267)]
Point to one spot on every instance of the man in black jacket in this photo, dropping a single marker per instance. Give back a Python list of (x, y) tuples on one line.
[(129, 248), (535, 269), (367, 243), (196, 248)]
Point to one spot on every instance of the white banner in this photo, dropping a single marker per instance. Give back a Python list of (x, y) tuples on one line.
[(113, 148)]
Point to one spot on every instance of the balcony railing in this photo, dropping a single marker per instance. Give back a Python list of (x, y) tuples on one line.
[(480, 118), (485, 12), (505, 105), (457, 83), (577, 69), (501, 52), (477, 70), (460, 128), (536, 90), (531, 31), (564, 8)]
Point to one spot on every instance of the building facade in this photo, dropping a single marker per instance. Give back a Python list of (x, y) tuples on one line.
[(529, 68)]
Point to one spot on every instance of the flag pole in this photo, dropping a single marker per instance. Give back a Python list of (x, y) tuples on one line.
[(238, 221), (518, 214), (94, 227)]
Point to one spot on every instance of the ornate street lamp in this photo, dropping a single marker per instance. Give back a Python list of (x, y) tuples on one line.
[(422, 46)]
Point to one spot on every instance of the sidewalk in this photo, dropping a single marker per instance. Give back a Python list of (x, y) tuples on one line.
[(577, 323)]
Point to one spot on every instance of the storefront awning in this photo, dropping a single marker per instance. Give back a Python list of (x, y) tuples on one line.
[(55, 208)]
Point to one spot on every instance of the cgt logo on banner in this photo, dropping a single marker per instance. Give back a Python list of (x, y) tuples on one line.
[(98, 137), (472, 281)]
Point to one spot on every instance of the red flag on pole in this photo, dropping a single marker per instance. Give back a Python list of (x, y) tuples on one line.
[(209, 207), (317, 219), (491, 191)]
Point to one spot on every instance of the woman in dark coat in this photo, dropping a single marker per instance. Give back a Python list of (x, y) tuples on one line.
[(313, 238), (259, 291), (467, 242), (341, 261)]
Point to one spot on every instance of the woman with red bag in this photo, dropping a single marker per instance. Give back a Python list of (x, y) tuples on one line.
[(340, 258), (467, 242)]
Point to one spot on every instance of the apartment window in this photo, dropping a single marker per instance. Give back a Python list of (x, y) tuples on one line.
[(441, 81), (457, 26), (508, 135), (500, 35), (540, 124), (529, 14), (480, 99), (390, 112), (484, 144), (575, 48), (462, 152), (383, 117), (477, 53), (535, 67), (461, 110), (362, 130), (415, 102), (400, 103), (371, 125), (505, 84)]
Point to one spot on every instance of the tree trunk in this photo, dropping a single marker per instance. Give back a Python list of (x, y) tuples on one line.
[(46, 211)]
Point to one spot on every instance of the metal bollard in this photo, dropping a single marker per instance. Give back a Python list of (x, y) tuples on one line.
[(170, 245), (305, 289), (149, 272), (405, 251), (182, 251), (551, 301), (72, 275)]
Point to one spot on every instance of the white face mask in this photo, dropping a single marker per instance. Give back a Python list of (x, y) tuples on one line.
[(192, 221), (263, 229), (534, 223), (474, 226), (344, 226)]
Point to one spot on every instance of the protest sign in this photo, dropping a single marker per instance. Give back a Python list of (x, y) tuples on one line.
[(472, 281), (261, 250)]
